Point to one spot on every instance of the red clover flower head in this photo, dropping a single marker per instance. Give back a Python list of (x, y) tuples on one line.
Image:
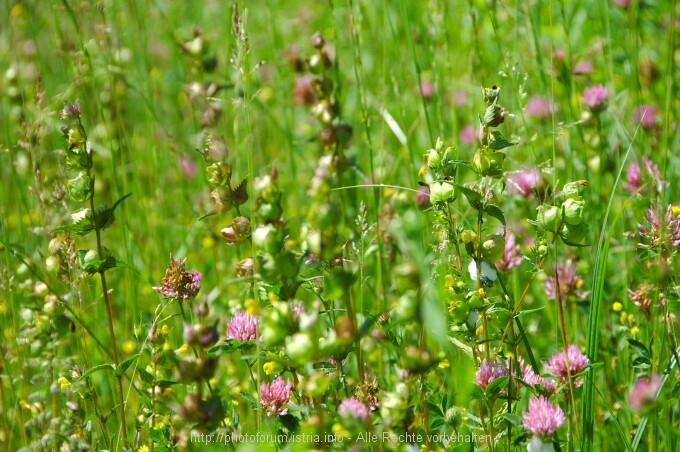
[(489, 371), (645, 115), (634, 176), (274, 396), (644, 392), (469, 135), (353, 408), (633, 180), (583, 67), (595, 98), (242, 327), (542, 417), (567, 363), (654, 232), (179, 283), (511, 254), (523, 182), (540, 107), (427, 89), (569, 282)]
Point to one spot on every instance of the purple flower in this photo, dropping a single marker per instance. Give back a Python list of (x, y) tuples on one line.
[(567, 363), (303, 92), (179, 283), (583, 67), (529, 376), (542, 417), (187, 167), (488, 371), (275, 396), (633, 180), (511, 254), (634, 177), (242, 327), (645, 115), (427, 89), (469, 135), (459, 98), (540, 107), (595, 98), (569, 282), (622, 3), (423, 197), (353, 408), (523, 182), (652, 231), (644, 392)]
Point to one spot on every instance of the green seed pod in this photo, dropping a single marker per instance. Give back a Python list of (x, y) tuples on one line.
[(572, 211), (548, 217), (80, 187), (574, 189), (218, 174), (434, 159), (493, 247), (490, 95), (494, 115), (488, 163), (574, 233), (300, 347), (441, 192)]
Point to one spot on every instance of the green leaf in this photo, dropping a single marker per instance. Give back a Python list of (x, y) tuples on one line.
[(165, 383), (496, 386), (230, 346), (474, 198), (96, 369), (437, 423), (122, 367), (91, 263), (146, 376), (104, 215), (513, 419), (642, 362), (249, 397), (160, 435), (495, 212), (122, 264), (497, 141), (435, 410), (639, 348), (477, 392), (290, 422), (240, 193), (82, 223)]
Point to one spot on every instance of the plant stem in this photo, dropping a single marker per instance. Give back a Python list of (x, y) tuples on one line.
[(112, 333)]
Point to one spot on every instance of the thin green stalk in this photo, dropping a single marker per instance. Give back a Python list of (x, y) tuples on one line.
[(588, 406)]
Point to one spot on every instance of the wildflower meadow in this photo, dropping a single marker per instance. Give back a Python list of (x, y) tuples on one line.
[(342, 225)]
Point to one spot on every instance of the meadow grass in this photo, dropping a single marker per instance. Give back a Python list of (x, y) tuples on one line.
[(370, 306)]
